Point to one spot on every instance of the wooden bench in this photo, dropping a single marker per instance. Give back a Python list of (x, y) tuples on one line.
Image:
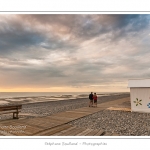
[(15, 109)]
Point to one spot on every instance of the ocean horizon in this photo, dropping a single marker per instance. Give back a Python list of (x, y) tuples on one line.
[(34, 97), (35, 94)]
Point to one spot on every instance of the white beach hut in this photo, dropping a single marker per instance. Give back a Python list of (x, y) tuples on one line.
[(140, 94)]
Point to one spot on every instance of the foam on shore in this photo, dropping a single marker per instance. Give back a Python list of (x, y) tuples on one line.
[(38, 99)]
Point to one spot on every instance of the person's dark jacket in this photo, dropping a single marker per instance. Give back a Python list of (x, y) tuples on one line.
[(91, 96)]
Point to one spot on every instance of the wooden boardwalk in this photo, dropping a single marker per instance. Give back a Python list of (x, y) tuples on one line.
[(56, 124)]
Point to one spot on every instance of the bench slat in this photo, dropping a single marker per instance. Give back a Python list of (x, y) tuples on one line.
[(15, 109), (11, 106), (5, 108), (7, 112)]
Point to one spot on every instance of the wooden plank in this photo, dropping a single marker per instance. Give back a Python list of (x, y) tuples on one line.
[(77, 131), (99, 133), (11, 106), (18, 132), (86, 131), (5, 133), (93, 132), (70, 115), (86, 109), (79, 111), (55, 118), (72, 132), (107, 134), (62, 118), (54, 130), (63, 131), (115, 134), (67, 131), (42, 123), (19, 129)]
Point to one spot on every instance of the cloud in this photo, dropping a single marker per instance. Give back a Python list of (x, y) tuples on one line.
[(73, 50), (20, 35)]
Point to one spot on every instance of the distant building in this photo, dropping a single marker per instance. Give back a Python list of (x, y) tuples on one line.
[(140, 94)]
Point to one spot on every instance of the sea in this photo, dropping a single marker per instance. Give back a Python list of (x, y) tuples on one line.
[(33, 97)]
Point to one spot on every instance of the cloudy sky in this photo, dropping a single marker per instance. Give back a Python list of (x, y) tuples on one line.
[(56, 53)]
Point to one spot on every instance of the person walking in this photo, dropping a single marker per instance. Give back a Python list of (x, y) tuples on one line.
[(91, 99), (95, 99)]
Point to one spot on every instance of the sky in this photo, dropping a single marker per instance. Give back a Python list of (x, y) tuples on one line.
[(73, 52)]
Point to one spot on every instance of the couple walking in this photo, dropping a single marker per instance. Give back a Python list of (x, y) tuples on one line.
[(93, 97)]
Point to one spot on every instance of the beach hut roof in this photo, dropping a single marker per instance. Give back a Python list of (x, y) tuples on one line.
[(139, 83)]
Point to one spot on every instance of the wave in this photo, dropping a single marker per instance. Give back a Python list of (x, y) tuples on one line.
[(22, 98)]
